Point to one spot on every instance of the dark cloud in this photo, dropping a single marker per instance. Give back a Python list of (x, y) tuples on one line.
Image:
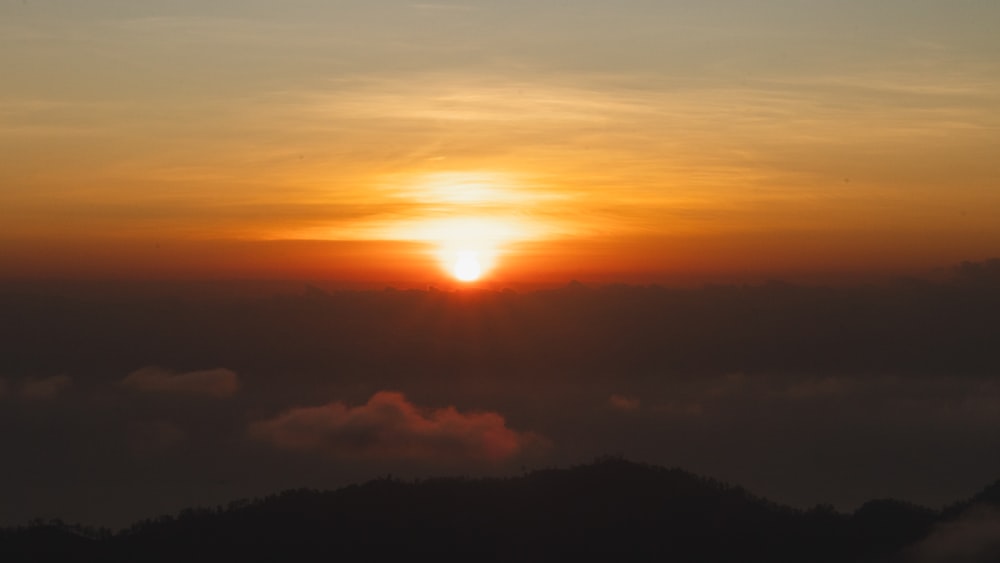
[(623, 402), (968, 400), (218, 383), (45, 388), (390, 427)]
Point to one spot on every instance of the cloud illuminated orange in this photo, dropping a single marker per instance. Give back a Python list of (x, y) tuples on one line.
[(390, 427)]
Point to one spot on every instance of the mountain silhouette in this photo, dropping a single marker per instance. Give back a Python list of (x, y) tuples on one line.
[(611, 509)]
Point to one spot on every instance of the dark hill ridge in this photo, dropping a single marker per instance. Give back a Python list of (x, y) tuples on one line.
[(611, 509)]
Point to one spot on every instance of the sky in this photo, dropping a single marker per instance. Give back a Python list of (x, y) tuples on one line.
[(378, 141)]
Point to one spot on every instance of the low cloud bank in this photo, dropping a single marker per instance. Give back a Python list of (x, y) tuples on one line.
[(388, 426), (45, 387), (963, 401), (624, 403), (219, 383)]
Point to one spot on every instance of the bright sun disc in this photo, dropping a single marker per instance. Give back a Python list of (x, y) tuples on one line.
[(467, 267)]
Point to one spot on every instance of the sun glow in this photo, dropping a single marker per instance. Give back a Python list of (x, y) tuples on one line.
[(468, 248), (467, 221), (467, 267)]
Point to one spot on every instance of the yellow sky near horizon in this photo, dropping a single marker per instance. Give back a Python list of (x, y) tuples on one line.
[(643, 140)]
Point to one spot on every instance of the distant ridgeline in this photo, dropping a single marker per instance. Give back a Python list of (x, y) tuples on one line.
[(610, 510)]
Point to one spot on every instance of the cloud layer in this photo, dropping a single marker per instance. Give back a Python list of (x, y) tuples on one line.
[(218, 383), (44, 388), (624, 402), (390, 427)]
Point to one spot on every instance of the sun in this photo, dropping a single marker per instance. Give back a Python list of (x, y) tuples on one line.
[(468, 249), (469, 222), (467, 267)]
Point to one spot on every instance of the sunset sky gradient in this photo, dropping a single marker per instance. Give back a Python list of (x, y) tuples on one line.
[(364, 141)]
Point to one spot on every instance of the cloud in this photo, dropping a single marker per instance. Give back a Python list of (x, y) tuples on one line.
[(624, 403), (46, 387), (218, 383), (960, 399), (390, 427), (973, 538)]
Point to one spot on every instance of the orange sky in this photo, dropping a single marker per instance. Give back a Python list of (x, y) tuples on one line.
[(641, 142)]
